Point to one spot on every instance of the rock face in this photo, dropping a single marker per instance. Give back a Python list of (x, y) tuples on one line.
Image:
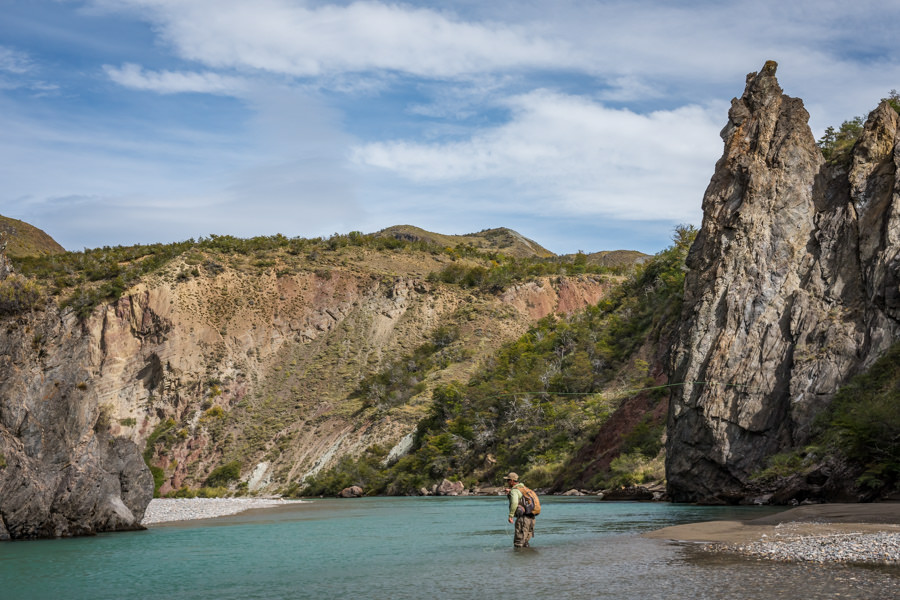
[(61, 472), (792, 288)]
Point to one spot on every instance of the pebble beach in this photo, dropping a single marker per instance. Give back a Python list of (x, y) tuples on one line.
[(826, 533), (842, 547), (166, 510)]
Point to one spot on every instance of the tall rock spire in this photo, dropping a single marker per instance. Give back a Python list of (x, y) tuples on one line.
[(776, 313)]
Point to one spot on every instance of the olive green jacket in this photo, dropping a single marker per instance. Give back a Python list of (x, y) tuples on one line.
[(515, 494)]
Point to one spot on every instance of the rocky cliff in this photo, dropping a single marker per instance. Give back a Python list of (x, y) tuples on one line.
[(217, 360), (792, 288), (61, 472)]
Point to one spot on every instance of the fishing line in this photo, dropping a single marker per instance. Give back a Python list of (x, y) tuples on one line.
[(631, 391)]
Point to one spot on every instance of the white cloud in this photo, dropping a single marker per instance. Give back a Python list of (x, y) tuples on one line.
[(294, 38), (171, 82), (571, 155), (14, 61)]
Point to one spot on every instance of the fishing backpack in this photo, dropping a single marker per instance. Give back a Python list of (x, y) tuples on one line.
[(529, 502)]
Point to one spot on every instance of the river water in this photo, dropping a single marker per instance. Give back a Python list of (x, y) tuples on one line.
[(421, 548)]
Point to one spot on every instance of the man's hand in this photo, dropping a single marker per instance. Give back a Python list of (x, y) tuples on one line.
[(510, 519)]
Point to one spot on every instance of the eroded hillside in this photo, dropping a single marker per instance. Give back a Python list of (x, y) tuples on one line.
[(256, 363)]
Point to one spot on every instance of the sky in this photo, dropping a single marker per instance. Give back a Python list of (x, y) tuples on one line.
[(584, 125)]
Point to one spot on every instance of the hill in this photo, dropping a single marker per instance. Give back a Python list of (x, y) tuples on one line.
[(501, 240), (23, 239)]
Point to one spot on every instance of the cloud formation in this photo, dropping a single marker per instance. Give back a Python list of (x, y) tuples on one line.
[(566, 119), (299, 39), (574, 157), (170, 82)]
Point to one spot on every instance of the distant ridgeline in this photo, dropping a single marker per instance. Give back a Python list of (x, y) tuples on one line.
[(752, 361)]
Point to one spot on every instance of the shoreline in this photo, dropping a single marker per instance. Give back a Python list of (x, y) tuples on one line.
[(845, 533), (174, 510)]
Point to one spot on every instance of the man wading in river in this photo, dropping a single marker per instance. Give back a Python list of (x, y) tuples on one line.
[(524, 522)]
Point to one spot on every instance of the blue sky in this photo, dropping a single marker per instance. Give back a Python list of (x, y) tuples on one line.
[(585, 125)]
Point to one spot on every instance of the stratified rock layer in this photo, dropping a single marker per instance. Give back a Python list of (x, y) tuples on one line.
[(792, 288)]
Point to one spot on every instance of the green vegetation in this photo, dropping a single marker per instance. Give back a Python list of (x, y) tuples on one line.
[(630, 469), (503, 271), (23, 239), (527, 409), (894, 100), (837, 144), (88, 278), (203, 492), (222, 475), (18, 295), (864, 421), (159, 477), (2, 461), (163, 433), (786, 464), (404, 378), (862, 425)]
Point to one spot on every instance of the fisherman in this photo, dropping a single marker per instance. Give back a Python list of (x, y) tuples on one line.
[(524, 522)]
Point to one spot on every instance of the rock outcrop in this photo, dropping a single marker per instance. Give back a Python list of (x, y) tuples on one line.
[(61, 471), (792, 288), (354, 491)]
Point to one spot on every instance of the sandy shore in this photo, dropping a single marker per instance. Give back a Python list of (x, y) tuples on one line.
[(166, 510), (859, 533)]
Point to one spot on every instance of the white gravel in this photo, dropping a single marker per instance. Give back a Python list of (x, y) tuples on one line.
[(849, 547), (164, 510)]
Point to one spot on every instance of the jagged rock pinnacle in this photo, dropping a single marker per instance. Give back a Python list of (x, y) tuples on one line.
[(775, 312)]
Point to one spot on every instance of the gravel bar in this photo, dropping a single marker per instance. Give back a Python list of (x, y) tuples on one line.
[(165, 510), (850, 547)]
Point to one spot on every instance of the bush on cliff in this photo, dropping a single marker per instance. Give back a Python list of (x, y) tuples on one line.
[(864, 421), (18, 295), (222, 475)]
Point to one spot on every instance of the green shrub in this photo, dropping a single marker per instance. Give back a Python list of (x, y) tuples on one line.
[(159, 477), (864, 421), (782, 465), (634, 469), (836, 145), (18, 295), (222, 475), (894, 100)]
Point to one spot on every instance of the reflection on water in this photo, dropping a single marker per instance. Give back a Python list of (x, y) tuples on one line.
[(422, 547)]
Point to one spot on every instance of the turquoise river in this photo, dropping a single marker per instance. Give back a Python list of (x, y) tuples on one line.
[(421, 548)]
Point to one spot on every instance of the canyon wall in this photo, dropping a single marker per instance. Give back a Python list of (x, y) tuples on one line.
[(199, 366)]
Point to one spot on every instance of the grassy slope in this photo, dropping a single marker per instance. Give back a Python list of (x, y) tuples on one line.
[(26, 240)]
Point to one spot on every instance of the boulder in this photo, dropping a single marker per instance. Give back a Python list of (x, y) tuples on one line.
[(354, 491), (450, 488), (572, 492)]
